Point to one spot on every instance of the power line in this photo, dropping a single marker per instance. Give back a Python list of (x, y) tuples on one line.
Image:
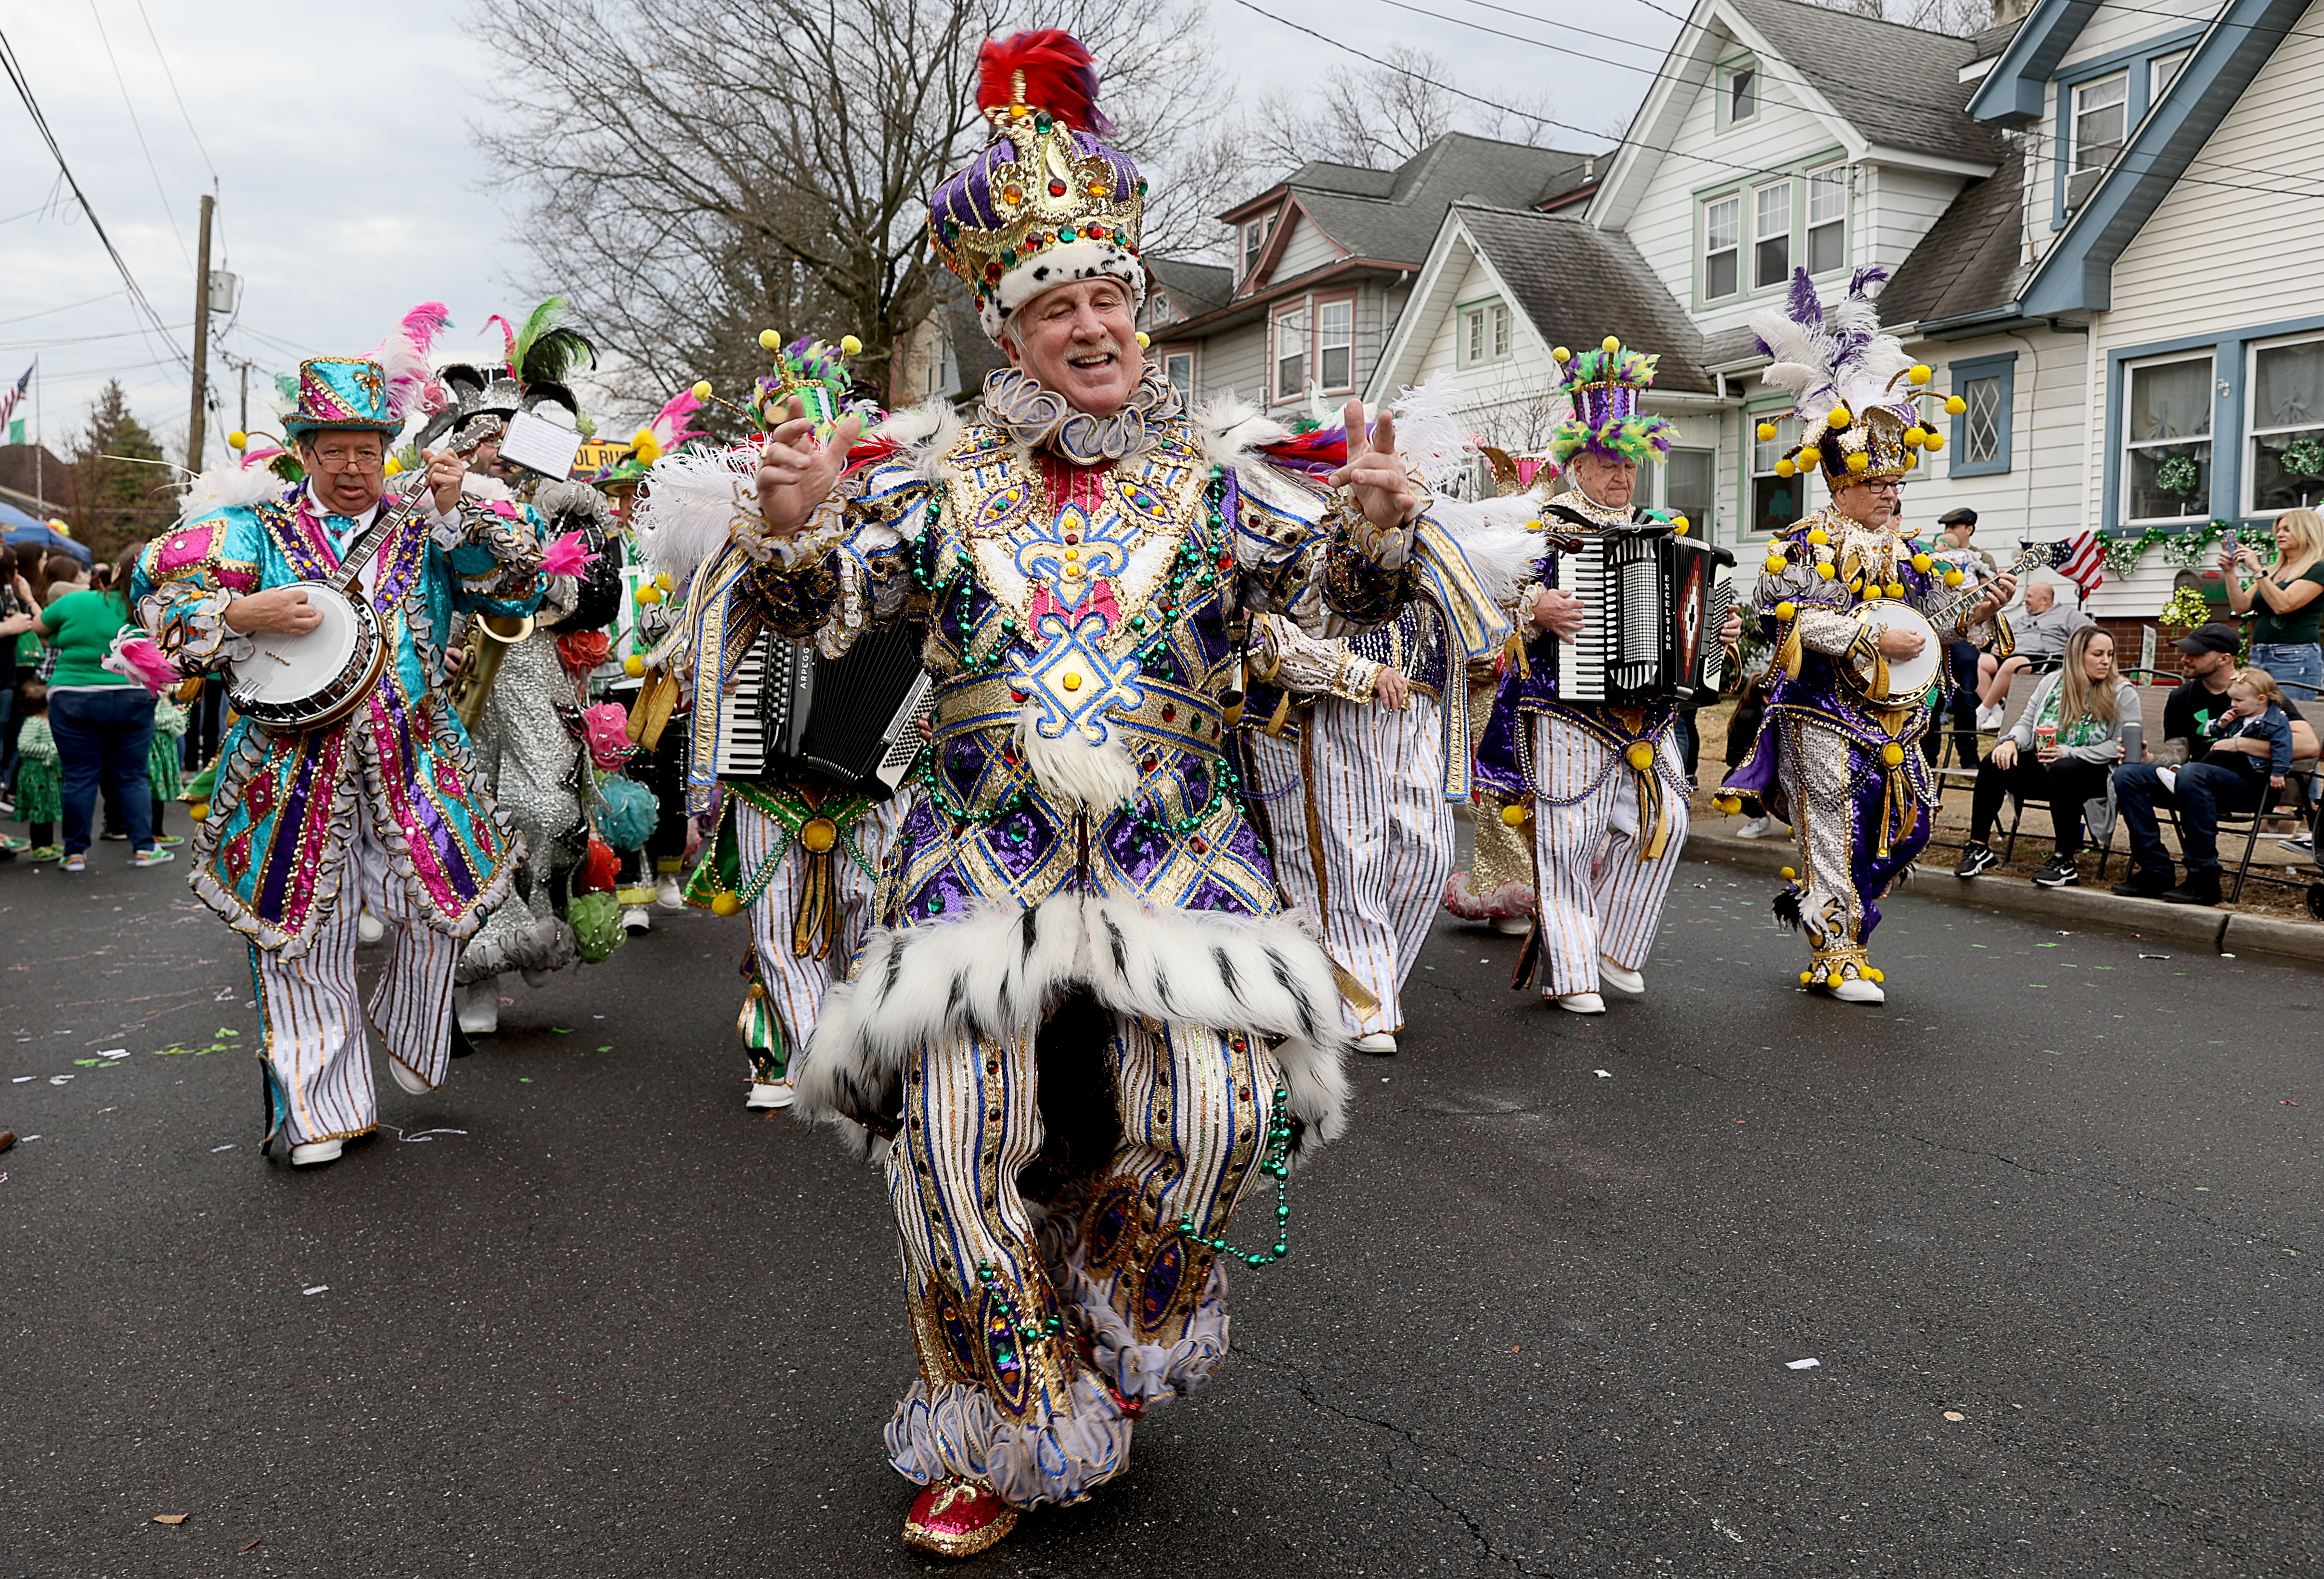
[(139, 127), (47, 312), (172, 76), (15, 71)]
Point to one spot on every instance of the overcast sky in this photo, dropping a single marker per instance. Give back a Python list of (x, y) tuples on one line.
[(336, 139)]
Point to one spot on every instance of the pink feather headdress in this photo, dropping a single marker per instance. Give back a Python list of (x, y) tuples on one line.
[(413, 386)]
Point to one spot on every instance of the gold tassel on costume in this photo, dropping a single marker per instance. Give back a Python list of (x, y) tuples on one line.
[(1639, 755), (818, 837)]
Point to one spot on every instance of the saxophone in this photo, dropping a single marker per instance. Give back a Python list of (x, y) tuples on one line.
[(485, 643)]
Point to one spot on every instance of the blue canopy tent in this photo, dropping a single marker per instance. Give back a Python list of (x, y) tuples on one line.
[(20, 528)]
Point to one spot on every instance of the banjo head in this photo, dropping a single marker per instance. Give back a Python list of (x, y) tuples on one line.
[(1909, 679), (295, 681)]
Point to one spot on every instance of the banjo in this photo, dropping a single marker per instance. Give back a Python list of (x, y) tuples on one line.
[(1909, 679), (305, 681)]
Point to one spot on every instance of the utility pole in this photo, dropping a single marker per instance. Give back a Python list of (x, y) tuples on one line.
[(201, 341)]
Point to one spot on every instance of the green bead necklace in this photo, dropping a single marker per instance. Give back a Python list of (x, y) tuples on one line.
[(1278, 1166)]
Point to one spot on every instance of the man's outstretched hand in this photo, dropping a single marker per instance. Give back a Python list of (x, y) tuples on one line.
[(1375, 473), (796, 474)]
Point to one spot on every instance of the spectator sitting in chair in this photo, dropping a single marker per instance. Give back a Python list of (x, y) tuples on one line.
[(2245, 752), (2040, 629), (2064, 745)]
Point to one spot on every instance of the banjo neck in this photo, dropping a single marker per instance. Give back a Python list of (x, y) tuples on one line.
[(2026, 560)]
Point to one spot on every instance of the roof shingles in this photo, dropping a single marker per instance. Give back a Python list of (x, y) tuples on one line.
[(1576, 284)]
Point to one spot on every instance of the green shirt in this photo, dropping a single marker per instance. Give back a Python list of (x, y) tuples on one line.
[(2289, 629), (81, 628)]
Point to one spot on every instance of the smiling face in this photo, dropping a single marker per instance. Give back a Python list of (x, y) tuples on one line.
[(1079, 340)]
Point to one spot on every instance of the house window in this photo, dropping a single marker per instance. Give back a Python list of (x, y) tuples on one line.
[(1255, 234), (2167, 440), (1290, 352), (1987, 386), (1484, 334), (1335, 343), (1742, 94), (1690, 479), (1771, 230), (1178, 367), (1828, 219), (1775, 501), (2286, 469), (2101, 120), (1722, 239), (2161, 73), (1981, 423)]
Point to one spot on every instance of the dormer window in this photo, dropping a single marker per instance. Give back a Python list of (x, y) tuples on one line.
[(1255, 236), (1742, 94), (2162, 72), (2101, 120)]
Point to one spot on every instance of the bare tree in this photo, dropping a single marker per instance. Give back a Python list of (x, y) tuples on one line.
[(693, 171), (1958, 18)]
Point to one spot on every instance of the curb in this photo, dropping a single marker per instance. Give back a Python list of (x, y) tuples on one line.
[(2141, 918)]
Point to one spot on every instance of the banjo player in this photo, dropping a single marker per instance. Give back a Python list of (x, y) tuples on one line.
[(380, 808)]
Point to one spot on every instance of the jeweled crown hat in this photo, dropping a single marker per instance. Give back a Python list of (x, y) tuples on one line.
[(1607, 387), (1857, 395), (1046, 203)]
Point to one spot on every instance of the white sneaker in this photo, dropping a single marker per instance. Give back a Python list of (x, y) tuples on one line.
[(315, 1151), (1514, 926), (635, 920), (408, 1079), (1380, 1044), (369, 928), (772, 1093), (668, 895), (1582, 1002), (1855, 989), (479, 1007), (1620, 979), (1989, 718), (1757, 828)]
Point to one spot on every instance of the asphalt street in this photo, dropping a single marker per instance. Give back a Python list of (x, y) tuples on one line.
[(2016, 1275)]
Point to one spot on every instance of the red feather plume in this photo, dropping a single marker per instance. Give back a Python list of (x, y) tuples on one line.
[(1060, 77)]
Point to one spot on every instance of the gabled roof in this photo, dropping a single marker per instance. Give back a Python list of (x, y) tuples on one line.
[(1196, 288), (1574, 283), (1969, 265), (1899, 86), (2015, 91)]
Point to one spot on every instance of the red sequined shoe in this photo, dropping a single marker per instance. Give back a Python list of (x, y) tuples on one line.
[(957, 1518)]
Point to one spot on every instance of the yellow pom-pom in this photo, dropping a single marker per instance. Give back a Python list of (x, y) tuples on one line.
[(1894, 588), (199, 810), (1639, 755), (1145, 340), (1875, 973), (1788, 875), (1681, 525), (1838, 417), (1954, 578), (395, 468), (1828, 573), (1561, 354), (727, 904), (1787, 609), (1920, 562), (1514, 816), (770, 341), (1936, 441), (1921, 373), (1773, 565), (1766, 432), (648, 594), (1892, 753), (647, 451), (1859, 462), (1955, 405), (1819, 536), (849, 346), (1610, 344), (1784, 468), (237, 439), (1806, 976), (1914, 437), (663, 580), (702, 390), (1911, 462), (633, 666), (642, 437)]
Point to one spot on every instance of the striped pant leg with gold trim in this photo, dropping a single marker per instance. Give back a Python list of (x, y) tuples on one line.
[(1146, 1306), (797, 985), (1597, 897), (1363, 838), (314, 1019)]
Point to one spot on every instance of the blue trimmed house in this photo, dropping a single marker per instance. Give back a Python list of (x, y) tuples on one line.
[(2106, 227)]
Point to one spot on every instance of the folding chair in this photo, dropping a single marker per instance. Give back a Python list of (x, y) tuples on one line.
[(2151, 698)]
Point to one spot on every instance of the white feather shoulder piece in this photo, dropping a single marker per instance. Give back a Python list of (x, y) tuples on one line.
[(229, 488), (689, 506)]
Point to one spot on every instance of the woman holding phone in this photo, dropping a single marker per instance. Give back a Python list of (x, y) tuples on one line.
[(2283, 596)]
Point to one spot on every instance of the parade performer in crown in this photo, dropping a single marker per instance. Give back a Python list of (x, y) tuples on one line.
[(1083, 1033)]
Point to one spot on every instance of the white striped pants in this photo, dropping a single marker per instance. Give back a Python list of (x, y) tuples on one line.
[(1362, 836), (315, 1044), (1597, 897), (797, 985)]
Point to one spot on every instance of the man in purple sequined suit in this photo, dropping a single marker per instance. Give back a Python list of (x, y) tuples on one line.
[(1082, 1032)]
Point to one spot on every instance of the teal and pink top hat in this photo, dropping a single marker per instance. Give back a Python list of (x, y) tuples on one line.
[(342, 392)]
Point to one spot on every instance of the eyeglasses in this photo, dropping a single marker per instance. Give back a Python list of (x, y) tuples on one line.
[(334, 459), (1885, 485)]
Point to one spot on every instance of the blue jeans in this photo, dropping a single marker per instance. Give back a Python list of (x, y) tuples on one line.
[(2298, 667), (2203, 789), (104, 737)]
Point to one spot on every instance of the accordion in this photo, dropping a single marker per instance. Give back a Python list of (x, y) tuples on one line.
[(790, 711), (1653, 603)]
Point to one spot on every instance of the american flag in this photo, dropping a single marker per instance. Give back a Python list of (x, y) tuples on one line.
[(8, 401), (2080, 559)]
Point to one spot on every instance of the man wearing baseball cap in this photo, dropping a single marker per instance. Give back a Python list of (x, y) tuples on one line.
[(2211, 651)]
